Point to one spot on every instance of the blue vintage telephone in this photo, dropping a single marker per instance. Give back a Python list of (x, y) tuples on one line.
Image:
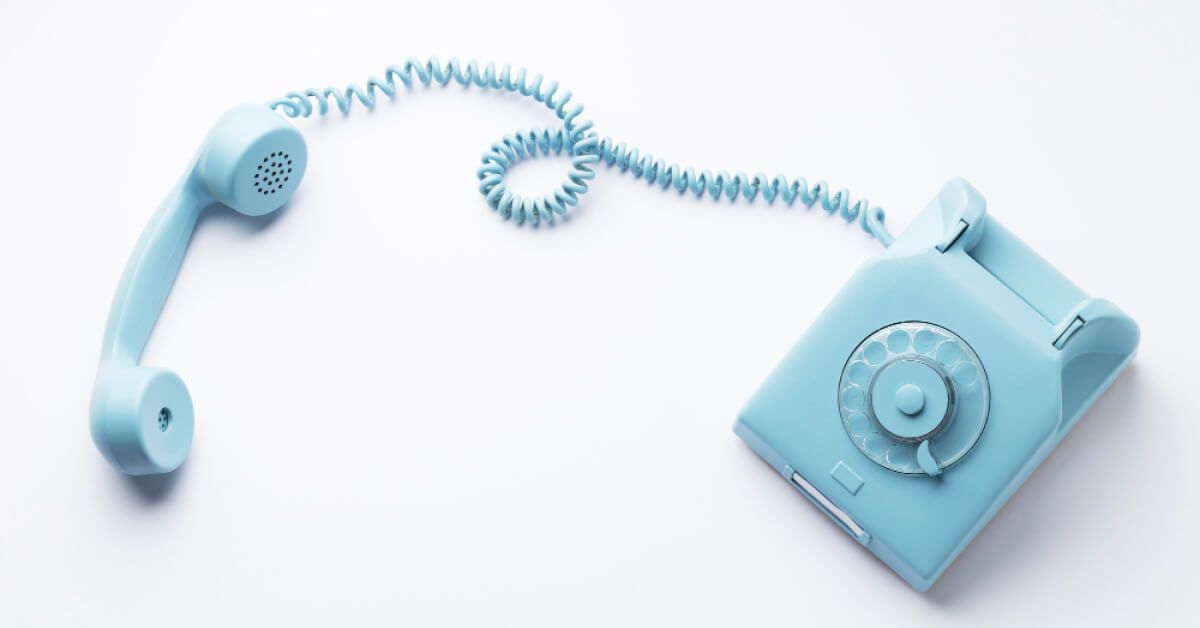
[(916, 404)]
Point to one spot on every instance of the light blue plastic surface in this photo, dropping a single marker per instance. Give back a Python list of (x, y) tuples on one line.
[(911, 453), (1048, 351), (142, 417)]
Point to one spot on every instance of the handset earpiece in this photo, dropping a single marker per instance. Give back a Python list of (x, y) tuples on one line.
[(142, 417)]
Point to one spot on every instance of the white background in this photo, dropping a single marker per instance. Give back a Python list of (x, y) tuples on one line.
[(410, 412)]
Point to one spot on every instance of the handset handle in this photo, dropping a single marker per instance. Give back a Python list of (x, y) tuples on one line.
[(151, 271)]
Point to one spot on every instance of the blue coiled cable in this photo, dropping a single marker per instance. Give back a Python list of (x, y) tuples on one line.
[(576, 139)]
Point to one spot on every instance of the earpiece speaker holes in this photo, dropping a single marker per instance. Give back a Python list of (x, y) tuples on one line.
[(267, 179), (164, 419)]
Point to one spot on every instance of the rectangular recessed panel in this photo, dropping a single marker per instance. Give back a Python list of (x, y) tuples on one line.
[(846, 477)]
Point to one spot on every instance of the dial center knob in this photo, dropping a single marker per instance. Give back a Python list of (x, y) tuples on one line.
[(910, 399)]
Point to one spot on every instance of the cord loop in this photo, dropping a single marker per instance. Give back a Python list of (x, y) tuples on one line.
[(576, 139)]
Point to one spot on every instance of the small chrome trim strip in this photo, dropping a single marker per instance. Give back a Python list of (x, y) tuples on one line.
[(828, 505)]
